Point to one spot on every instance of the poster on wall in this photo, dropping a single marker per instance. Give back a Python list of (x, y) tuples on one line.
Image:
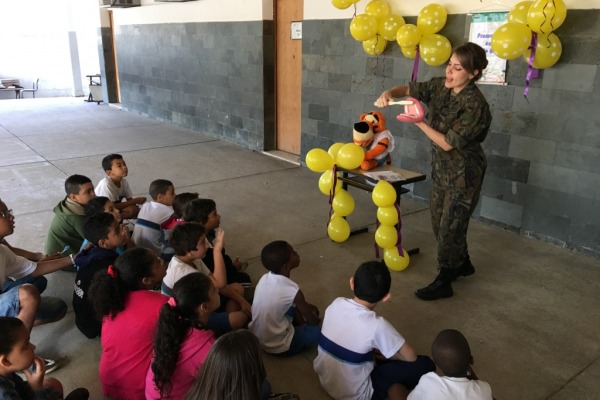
[(483, 26)]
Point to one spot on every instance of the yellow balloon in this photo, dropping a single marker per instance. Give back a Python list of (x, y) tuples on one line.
[(350, 156), (408, 36), (334, 149), (409, 52), (342, 4), (394, 260), (519, 12), (387, 215), (374, 46), (318, 160), (435, 49), (363, 27), (326, 182), (343, 203), (377, 8), (511, 40), (386, 236), (432, 18), (338, 229), (547, 51), (389, 25), (384, 194), (545, 16)]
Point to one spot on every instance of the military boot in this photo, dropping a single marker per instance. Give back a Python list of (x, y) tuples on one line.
[(440, 288)]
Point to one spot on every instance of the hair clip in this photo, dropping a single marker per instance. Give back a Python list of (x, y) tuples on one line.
[(172, 302), (112, 272)]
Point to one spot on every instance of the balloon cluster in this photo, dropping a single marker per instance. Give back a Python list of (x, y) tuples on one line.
[(375, 27), (528, 20), (435, 49), (387, 235), (350, 156)]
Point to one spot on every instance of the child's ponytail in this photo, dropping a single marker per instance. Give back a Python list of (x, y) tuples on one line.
[(176, 317), (110, 288)]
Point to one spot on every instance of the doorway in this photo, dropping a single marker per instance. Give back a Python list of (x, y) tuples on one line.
[(288, 76)]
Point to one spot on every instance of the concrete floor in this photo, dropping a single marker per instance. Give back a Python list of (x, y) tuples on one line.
[(531, 312)]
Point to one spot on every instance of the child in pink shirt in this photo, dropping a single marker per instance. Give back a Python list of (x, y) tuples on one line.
[(182, 332), (122, 296)]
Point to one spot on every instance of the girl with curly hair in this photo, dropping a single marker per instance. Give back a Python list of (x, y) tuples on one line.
[(123, 299), (181, 341)]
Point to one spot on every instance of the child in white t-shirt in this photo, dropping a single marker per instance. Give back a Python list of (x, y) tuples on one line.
[(115, 186), (361, 356), (189, 243), (452, 354), (282, 320)]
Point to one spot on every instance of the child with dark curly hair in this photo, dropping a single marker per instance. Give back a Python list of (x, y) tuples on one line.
[(123, 299), (182, 341)]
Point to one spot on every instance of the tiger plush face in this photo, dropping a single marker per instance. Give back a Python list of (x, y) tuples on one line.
[(369, 125)]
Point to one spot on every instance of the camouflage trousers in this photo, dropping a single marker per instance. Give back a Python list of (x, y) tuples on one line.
[(451, 210)]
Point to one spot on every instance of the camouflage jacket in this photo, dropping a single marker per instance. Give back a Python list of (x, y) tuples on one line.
[(464, 119)]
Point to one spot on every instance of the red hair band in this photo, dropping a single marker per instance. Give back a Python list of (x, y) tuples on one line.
[(172, 302), (111, 271)]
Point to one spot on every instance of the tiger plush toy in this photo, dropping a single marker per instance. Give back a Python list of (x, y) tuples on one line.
[(372, 135)]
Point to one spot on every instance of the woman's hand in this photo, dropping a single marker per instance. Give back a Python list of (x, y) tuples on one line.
[(384, 99)]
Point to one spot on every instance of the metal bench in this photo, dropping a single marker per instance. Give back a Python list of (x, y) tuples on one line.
[(11, 85), (35, 87)]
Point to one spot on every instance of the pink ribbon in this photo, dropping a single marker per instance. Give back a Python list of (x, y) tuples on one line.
[(172, 302), (530, 69), (415, 71)]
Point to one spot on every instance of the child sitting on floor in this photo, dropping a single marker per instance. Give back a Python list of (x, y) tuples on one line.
[(282, 320), (16, 355), (116, 188), (180, 202), (204, 212), (189, 242), (155, 218), (123, 299), (182, 341), (66, 229), (101, 204), (452, 354), (106, 235), (346, 361)]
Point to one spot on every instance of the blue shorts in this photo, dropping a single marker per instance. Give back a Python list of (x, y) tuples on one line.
[(9, 303), (406, 373), (305, 336), (219, 322)]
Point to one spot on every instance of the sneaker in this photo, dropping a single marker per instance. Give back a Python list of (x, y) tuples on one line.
[(438, 289), (50, 365), (78, 394)]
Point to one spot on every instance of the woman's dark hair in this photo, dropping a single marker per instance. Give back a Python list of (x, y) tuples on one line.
[(197, 210), (173, 323), (472, 58), (108, 293), (95, 206), (185, 237), (232, 370), (180, 201), (9, 327)]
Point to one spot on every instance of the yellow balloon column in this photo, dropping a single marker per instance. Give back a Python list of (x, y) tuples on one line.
[(346, 155), (387, 235)]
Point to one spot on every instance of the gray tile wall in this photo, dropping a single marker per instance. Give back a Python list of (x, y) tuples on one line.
[(543, 178), (215, 78)]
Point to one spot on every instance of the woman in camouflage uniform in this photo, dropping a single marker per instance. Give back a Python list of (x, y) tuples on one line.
[(459, 120)]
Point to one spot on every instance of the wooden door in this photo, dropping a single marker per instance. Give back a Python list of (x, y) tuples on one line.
[(288, 76)]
